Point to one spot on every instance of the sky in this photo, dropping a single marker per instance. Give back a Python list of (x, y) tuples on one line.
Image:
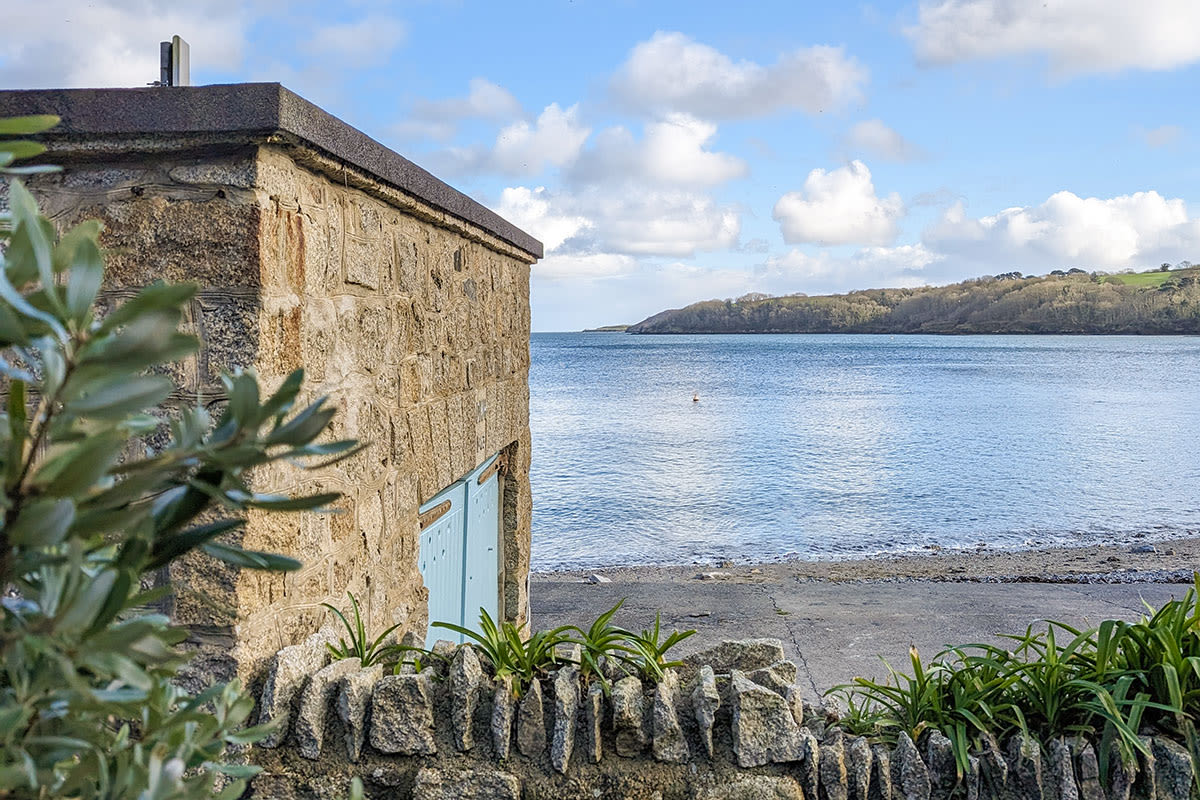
[(669, 152)]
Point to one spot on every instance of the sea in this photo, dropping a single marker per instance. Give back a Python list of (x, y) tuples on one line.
[(760, 448)]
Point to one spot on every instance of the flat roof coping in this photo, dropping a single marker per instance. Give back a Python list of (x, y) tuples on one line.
[(253, 109)]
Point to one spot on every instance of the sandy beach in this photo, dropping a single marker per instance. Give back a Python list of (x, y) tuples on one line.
[(837, 619)]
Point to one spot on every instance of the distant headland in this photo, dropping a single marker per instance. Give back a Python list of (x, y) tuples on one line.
[(1162, 301), (608, 329)]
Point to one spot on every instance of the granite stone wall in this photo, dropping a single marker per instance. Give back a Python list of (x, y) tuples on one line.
[(413, 320), (730, 724)]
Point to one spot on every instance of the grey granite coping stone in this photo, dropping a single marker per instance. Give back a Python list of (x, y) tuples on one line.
[(252, 110)]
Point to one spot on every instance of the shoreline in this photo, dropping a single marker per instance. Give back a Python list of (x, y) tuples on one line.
[(1135, 560)]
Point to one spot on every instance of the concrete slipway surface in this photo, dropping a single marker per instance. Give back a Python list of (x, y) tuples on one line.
[(835, 628)]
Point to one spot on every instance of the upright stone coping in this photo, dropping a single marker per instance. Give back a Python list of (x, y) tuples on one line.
[(242, 111), (758, 749)]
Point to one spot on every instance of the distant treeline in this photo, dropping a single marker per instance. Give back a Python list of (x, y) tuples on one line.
[(1077, 302)]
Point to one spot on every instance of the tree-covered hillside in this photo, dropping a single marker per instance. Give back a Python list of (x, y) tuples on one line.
[(1076, 302)]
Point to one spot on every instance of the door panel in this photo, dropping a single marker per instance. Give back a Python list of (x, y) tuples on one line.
[(460, 553), (441, 563), (482, 560)]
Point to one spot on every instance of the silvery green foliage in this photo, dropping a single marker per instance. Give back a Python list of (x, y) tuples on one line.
[(88, 704)]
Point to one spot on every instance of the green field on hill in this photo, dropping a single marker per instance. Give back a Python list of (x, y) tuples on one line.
[(1149, 280)]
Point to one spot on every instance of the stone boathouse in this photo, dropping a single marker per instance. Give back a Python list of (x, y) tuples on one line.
[(406, 301)]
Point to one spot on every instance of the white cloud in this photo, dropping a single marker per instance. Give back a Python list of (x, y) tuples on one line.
[(839, 207), (1078, 36), (873, 138), (530, 210), (672, 151), (671, 72), (438, 119), (663, 223), (553, 140), (584, 267), (1136, 230), (65, 44), (366, 42), (1162, 136)]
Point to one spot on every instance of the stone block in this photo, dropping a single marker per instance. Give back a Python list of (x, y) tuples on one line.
[(1060, 772), (910, 778), (808, 767), (531, 721), (289, 671), (504, 712), (1024, 758), (764, 729), (458, 784), (880, 787), (859, 766), (402, 715), (668, 743), (744, 655), (834, 778), (779, 677), (566, 712), (353, 700), (753, 787), (629, 716), (1087, 771), (939, 758), (1173, 778), (706, 700), (309, 730), (593, 721), (467, 682)]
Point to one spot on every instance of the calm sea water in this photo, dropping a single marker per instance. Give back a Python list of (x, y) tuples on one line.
[(831, 446)]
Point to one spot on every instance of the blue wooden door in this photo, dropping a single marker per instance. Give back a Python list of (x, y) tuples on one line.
[(459, 554)]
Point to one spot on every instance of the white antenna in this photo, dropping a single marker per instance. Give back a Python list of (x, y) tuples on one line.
[(174, 58)]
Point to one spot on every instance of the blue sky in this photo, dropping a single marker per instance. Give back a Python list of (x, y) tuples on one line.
[(668, 152)]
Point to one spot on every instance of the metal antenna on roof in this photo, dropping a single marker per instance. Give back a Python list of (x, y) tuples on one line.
[(174, 58)]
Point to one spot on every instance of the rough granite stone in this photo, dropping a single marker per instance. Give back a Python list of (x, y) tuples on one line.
[(910, 778), (354, 698), (706, 700), (566, 713), (779, 677), (504, 711), (939, 759), (593, 722), (1060, 772), (1087, 772), (808, 767), (859, 761), (309, 730), (1025, 767), (1173, 769), (764, 730), (467, 683), (971, 779), (531, 721), (813, 718), (629, 716), (795, 701), (1121, 775), (402, 715), (744, 655), (1145, 785), (456, 784), (834, 778), (289, 671), (993, 766), (668, 743), (881, 774), (753, 787)]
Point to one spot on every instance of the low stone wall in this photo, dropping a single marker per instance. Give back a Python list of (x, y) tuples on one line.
[(731, 724)]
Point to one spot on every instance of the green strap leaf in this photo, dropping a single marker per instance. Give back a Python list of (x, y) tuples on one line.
[(27, 125)]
